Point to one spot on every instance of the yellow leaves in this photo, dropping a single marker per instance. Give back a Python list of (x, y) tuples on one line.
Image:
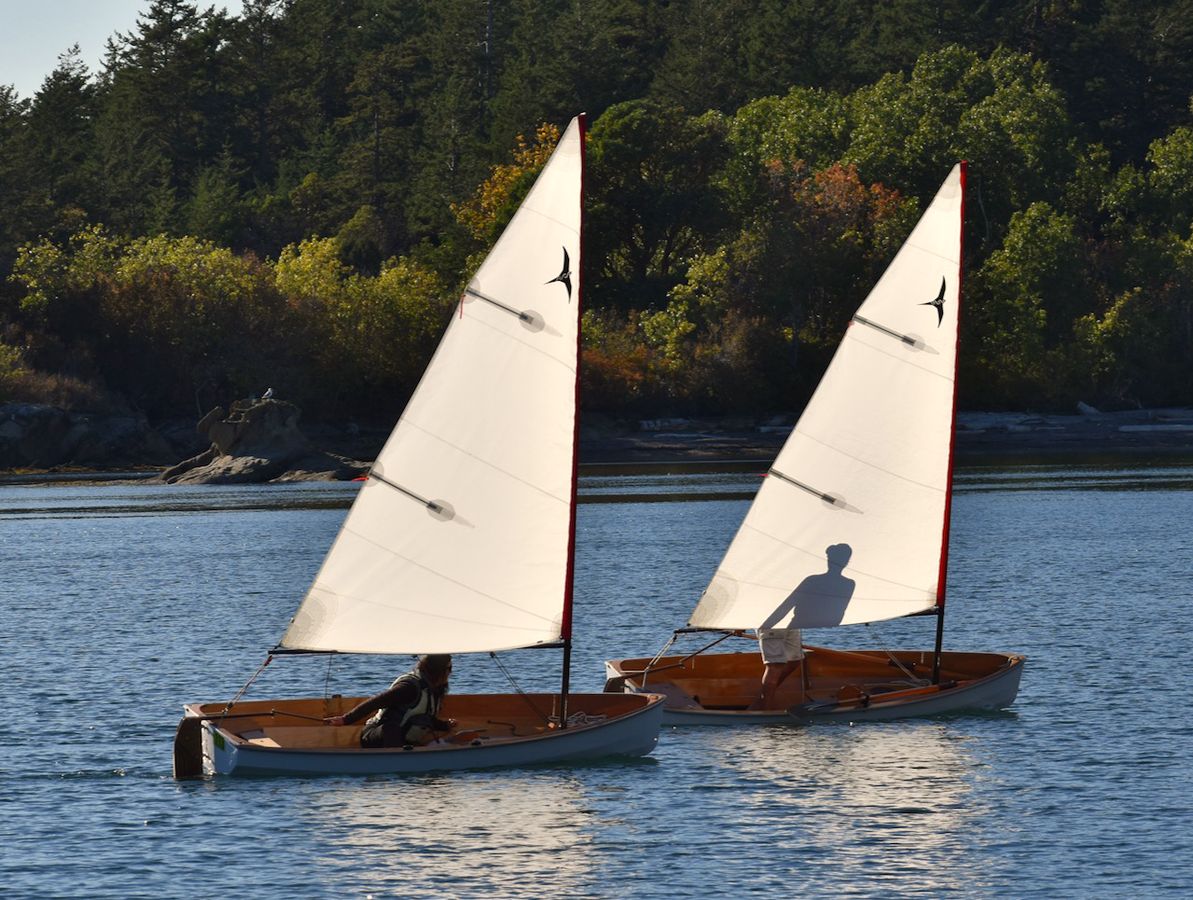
[(482, 212), (374, 329), (310, 272), (40, 268), (207, 274), (12, 364), (667, 331)]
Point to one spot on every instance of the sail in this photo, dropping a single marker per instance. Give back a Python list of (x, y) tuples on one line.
[(850, 523), (460, 539)]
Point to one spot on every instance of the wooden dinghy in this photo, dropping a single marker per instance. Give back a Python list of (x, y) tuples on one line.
[(835, 685), (462, 538), (851, 524), (493, 730)]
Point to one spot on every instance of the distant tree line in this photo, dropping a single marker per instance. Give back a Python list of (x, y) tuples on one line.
[(294, 196)]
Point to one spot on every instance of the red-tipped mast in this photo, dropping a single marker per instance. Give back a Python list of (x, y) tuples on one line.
[(565, 628), (948, 489)]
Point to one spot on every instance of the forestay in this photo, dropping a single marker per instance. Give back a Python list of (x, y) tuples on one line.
[(850, 524), (460, 539)]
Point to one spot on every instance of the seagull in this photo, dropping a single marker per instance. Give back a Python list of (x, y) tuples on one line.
[(268, 394), (565, 276), (938, 303)]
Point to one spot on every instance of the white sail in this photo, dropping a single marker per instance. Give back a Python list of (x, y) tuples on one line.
[(850, 524), (460, 539)]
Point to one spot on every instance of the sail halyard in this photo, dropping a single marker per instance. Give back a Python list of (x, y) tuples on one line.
[(839, 532), (461, 539)]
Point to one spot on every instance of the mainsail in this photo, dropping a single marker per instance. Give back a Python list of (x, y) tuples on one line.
[(461, 538), (851, 523)]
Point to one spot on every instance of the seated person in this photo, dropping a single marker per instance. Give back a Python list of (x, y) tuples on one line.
[(408, 712)]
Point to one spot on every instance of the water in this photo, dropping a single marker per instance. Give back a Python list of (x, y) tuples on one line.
[(119, 602)]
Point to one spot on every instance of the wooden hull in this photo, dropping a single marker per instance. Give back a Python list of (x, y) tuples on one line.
[(835, 686), (497, 730)]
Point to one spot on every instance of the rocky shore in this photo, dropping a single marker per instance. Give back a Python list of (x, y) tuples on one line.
[(262, 441), (981, 436), (258, 441)]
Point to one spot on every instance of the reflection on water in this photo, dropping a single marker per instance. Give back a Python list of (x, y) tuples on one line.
[(121, 601), (902, 791), (456, 835)]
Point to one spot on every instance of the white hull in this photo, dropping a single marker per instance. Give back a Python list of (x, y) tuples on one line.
[(228, 748), (836, 696)]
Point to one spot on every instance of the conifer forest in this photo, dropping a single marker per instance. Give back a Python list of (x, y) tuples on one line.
[(294, 196)]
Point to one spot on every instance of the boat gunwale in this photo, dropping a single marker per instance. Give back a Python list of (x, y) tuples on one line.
[(1009, 659), (240, 742), (832, 711)]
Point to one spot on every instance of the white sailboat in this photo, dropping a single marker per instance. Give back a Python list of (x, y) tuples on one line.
[(461, 539), (852, 523)]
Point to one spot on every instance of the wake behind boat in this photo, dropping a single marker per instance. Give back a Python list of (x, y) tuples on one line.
[(851, 524), (462, 538)]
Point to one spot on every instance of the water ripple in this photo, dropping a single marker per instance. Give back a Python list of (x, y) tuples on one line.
[(122, 601)]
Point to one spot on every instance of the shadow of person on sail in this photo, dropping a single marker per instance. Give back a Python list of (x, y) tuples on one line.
[(819, 599)]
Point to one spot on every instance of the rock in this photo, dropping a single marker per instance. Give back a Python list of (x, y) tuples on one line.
[(116, 440), (232, 470), (205, 458), (33, 436), (324, 467), (264, 428), (258, 441), (36, 436)]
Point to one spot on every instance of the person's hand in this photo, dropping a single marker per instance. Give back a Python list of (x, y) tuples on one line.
[(334, 720)]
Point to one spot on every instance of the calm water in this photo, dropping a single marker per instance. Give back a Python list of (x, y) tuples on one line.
[(120, 602)]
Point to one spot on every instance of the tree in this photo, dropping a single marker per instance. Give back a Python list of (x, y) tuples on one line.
[(1024, 302), (14, 175), (165, 108), (488, 211), (806, 128), (1001, 113), (59, 135), (376, 165), (652, 204), (216, 210), (1127, 70), (701, 69)]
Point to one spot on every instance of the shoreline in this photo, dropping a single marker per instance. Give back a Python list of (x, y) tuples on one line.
[(710, 444), (981, 438)]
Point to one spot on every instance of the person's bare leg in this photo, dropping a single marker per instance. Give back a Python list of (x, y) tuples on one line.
[(773, 675)]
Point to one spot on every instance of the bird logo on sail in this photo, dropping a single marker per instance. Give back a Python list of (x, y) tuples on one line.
[(938, 303), (565, 275)]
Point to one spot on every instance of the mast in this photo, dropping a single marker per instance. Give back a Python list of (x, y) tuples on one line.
[(568, 588), (948, 497)]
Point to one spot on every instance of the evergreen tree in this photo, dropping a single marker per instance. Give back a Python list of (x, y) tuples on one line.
[(59, 136)]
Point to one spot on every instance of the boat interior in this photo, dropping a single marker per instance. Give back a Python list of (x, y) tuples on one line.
[(731, 681), (481, 719)]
